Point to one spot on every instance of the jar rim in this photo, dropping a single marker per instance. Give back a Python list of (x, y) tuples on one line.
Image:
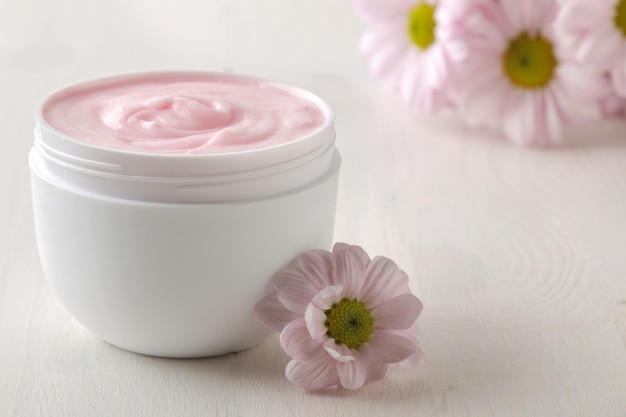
[(180, 177), (321, 103)]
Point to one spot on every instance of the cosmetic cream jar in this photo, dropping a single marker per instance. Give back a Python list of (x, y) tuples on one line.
[(167, 254)]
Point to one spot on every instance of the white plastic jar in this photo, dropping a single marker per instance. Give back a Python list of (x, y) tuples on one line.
[(167, 254)]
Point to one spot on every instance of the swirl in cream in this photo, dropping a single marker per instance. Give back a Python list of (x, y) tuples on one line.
[(184, 113)]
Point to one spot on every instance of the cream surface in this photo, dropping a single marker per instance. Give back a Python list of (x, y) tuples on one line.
[(181, 113)]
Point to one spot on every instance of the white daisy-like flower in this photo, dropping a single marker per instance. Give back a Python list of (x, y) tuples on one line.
[(403, 49), (613, 107), (344, 318), (514, 75), (596, 30)]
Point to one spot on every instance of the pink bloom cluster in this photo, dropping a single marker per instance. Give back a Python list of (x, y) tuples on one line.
[(344, 319), (523, 68)]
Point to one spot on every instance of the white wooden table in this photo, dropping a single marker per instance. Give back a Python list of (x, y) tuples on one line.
[(519, 255)]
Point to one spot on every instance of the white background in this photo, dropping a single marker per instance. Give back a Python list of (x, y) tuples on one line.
[(519, 255)]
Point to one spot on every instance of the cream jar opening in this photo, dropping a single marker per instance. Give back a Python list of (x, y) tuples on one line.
[(182, 175)]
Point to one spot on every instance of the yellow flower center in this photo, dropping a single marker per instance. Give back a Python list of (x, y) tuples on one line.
[(620, 16), (421, 25), (349, 323), (529, 61)]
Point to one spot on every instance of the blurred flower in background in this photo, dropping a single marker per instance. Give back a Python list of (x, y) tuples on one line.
[(613, 107), (522, 68), (403, 49), (596, 32), (516, 77)]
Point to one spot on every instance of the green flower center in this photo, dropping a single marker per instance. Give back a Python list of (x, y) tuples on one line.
[(529, 61), (349, 323), (421, 25), (620, 16)]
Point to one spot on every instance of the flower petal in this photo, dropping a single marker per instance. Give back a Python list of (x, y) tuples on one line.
[(316, 266), (383, 280), (377, 367), (313, 376), (601, 48), (392, 347), (414, 360), (377, 371), (297, 342), (412, 76), (552, 120), (273, 313), (349, 265), (294, 291), (386, 46), (352, 375), (397, 313), (315, 319), (357, 251), (376, 11), (340, 246), (480, 109), (583, 82), (329, 295), (519, 124), (340, 353)]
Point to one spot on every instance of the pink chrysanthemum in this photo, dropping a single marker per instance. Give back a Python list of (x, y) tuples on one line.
[(403, 49), (514, 75), (343, 317), (596, 30)]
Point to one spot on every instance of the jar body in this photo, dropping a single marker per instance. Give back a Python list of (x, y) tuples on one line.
[(173, 279)]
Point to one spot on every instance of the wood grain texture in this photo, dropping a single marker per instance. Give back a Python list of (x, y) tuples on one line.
[(519, 255)]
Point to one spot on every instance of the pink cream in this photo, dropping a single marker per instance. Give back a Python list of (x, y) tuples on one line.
[(184, 113)]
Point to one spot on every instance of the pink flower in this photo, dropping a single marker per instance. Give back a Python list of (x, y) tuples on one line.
[(613, 107), (514, 75), (403, 49), (596, 30), (343, 317)]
